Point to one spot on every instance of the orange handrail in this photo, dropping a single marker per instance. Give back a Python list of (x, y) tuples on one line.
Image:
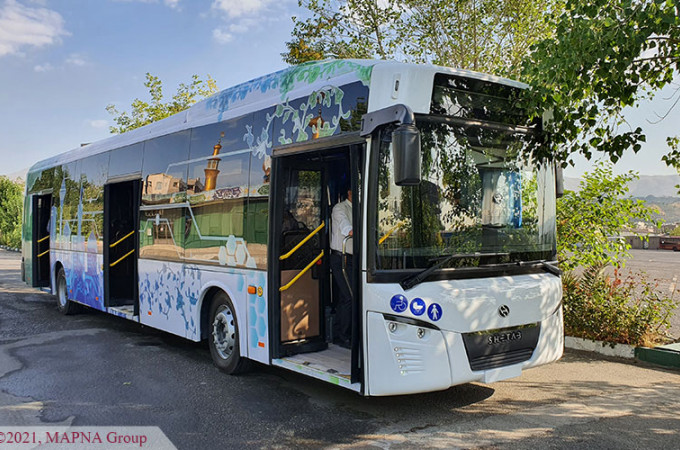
[(309, 236), (124, 256), (122, 239), (302, 272)]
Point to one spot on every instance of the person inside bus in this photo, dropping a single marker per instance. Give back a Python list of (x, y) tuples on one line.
[(341, 227)]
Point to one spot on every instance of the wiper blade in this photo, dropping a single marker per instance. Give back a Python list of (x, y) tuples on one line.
[(411, 281), (549, 266)]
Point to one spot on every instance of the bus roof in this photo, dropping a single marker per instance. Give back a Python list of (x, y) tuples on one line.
[(257, 94)]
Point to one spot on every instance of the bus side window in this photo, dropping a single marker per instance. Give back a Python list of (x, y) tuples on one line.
[(164, 182), (217, 194)]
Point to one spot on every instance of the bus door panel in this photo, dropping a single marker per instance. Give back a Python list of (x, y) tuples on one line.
[(121, 245), (42, 206), (300, 256)]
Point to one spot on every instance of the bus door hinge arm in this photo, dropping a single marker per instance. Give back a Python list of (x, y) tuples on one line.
[(397, 114)]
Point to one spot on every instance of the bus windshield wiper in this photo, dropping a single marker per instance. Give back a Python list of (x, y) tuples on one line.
[(549, 266), (411, 281)]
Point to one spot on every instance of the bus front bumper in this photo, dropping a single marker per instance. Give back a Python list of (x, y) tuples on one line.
[(406, 358)]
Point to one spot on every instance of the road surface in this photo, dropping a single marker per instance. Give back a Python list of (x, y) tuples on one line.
[(97, 370)]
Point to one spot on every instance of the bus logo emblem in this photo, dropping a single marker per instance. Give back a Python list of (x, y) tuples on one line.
[(503, 311)]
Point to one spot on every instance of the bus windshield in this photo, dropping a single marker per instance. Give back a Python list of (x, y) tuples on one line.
[(478, 201)]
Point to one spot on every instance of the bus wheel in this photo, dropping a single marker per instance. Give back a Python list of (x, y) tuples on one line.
[(64, 305), (223, 339)]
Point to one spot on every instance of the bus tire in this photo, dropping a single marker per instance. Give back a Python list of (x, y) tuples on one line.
[(64, 305), (223, 336)]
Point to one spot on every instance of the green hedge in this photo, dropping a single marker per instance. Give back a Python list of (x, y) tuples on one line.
[(614, 309)]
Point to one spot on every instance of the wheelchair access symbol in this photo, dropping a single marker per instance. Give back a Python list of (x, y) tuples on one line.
[(434, 312), (399, 303)]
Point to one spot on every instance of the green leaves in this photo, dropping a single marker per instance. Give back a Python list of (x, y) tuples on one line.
[(11, 207), (484, 35), (604, 56), (144, 113), (615, 309), (590, 221)]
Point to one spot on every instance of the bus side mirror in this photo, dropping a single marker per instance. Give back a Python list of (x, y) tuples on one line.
[(406, 152), (559, 181)]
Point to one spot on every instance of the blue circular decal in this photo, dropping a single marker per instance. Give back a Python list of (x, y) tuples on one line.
[(418, 306), (399, 303), (434, 312)]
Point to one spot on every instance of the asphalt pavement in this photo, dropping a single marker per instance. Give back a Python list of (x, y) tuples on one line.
[(662, 269), (92, 369)]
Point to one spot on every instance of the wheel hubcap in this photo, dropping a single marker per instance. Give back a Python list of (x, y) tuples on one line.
[(224, 332)]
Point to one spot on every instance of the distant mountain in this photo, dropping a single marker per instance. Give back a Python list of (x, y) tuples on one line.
[(646, 185), (668, 207), (572, 184), (655, 185), (20, 175), (658, 191)]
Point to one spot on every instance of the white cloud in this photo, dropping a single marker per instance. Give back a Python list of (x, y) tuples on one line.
[(243, 16), (221, 36), (98, 123), (76, 60), (43, 67), (22, 26), (238, 8), (174, 4), (242, 26)]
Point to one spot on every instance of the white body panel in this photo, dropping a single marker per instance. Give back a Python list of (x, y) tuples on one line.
[(415, 84), (400, 362), (171, 298)]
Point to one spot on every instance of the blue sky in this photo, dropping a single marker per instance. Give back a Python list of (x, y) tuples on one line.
[(62, 62)]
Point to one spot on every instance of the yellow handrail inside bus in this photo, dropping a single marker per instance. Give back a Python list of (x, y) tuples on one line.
[(43, 253), (43, 239), (309, 236), (122, 239), (386, 235), (124, 256), (302, 272)]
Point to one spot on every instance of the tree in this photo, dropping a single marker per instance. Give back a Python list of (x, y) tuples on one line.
[(589, 221), (144, 113), (11, 209), (604, 56), (484, 35), (586, 60)]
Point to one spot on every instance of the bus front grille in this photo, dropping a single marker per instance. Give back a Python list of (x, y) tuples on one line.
[(498, 348), (500, 359)]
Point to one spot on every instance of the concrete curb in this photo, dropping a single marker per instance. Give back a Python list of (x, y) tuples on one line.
[(603, 348), (666, 355), (10, 249)]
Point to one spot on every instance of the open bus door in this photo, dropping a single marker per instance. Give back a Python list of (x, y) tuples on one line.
[(302, 241), (121, 246), (42, 206), (307, 181)]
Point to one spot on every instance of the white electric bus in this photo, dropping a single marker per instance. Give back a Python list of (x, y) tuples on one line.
[(214, 224)]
